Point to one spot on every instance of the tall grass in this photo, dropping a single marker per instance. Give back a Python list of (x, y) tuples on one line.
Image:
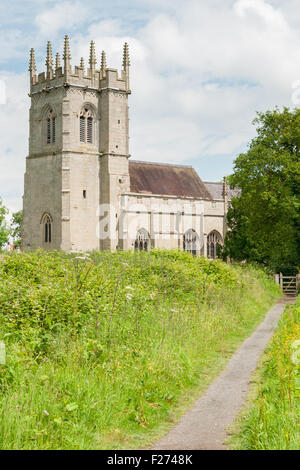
[(273, 420), (102, 348)]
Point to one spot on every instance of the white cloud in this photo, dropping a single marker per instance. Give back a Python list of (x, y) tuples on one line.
[(200, 70), (271, 16), (62, 16), (212, 67), (13, 138)]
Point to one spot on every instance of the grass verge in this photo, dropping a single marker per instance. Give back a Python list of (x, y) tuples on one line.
[(105, 351), (270, 420)]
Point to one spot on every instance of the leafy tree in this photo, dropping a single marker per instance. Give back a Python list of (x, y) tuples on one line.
[(16, 227), (264, 221), (4, 231)]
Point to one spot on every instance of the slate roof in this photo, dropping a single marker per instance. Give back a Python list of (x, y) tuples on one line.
[(216, 190), (166, 179)]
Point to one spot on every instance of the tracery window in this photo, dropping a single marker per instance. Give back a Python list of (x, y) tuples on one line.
[(214, 242), (142, 241), (51, 127), (190, 240), (47, 228), (86, 126)]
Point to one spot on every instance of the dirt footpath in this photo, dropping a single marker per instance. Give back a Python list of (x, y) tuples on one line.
[(204, 425)]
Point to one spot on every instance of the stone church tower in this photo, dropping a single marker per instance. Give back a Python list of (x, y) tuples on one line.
[(78, 152)]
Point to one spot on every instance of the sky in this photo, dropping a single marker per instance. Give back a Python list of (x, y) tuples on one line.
[(200, 70)]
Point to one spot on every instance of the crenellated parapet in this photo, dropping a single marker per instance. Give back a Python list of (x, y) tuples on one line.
[(100, 79)]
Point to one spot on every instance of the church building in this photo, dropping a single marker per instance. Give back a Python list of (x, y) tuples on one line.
[(82, 190)]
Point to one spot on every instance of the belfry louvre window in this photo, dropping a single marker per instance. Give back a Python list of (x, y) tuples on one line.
[(53, 130), (48, 131), (82, 129), (86, 126), (50, 127), (90, 130)]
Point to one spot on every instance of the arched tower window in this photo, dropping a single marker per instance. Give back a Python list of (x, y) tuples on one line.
[(86, 126), (47, 228), (190, 241), (214, 241), (50, 127), (142, 241)]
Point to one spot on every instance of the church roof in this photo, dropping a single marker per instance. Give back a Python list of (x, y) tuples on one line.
[(216, 190), (166, 179)]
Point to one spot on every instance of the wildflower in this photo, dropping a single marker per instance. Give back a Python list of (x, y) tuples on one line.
[(46, 412), (80, 257), (129, 287), (129, 296), (72, 406), (58, 421)]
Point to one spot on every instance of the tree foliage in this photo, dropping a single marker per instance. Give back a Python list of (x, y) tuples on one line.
[(4, 231), (16, 228), (264, 221)]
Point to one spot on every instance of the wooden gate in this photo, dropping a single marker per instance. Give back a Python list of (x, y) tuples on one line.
[(289, 284)]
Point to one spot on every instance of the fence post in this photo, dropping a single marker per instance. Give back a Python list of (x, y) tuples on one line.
[(276, 278), (281, 281), (297, 282)]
